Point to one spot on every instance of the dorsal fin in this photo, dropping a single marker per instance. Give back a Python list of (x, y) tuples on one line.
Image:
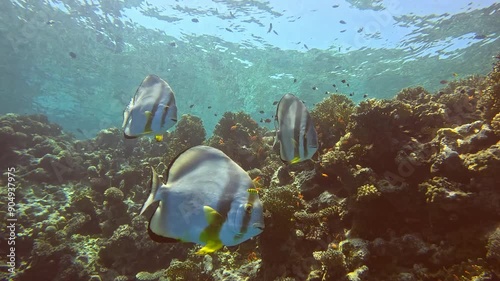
[(155, 184)]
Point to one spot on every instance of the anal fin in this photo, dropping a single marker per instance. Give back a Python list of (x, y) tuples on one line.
[(161, 239)]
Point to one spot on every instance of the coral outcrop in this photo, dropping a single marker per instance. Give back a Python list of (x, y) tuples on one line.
[(241, 138)]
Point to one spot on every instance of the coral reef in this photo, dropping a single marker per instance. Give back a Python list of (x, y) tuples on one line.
[(241, 138), (489, 100), (331, 117), (493, 250), (189, 132), (404, 189)]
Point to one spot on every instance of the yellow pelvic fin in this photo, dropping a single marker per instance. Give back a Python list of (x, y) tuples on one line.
[(211, 247), (159, 138), (295, 160), (210, 235)]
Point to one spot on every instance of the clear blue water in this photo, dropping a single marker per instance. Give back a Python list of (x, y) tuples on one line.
[(223, 54)]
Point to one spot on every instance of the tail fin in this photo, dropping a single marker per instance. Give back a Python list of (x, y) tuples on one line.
[(155, 184)]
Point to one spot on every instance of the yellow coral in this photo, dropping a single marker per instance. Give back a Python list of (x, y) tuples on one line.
[(495, 124), (367, 192)]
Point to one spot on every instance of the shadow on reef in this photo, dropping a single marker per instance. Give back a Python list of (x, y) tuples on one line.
[(404, 189)]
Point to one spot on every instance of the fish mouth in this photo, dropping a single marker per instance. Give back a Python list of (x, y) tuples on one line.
[(259, 226)]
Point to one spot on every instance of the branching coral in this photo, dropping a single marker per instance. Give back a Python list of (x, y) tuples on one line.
[(189, 132), (350, 256), (282, 202), (333, 262), (367, 193), (241, 138), (331, 117), (443, 193), (183, 270), (323, 214), (379, 121), (428, 113), (380, 128)]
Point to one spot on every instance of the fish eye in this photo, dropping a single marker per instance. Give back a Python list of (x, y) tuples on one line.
[(248, 208)]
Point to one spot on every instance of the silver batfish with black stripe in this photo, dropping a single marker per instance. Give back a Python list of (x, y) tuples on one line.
[(151, 110), (295, 133), (207, 199)]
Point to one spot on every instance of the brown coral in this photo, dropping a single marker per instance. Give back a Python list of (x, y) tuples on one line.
[(331, 117), (241, 138)]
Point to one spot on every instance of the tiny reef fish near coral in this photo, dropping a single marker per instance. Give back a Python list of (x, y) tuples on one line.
[(208, 199), (151, 110), (295, 133)]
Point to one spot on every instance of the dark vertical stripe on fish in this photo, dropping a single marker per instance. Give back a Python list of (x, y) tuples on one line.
[(296, 131), (147, 127), (308, 123), (163, 116), (167, 108), (248, 215), (227, 196)]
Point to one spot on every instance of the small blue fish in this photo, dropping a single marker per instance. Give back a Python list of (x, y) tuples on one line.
[(151, 110), (295, 133), (208, 200)]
